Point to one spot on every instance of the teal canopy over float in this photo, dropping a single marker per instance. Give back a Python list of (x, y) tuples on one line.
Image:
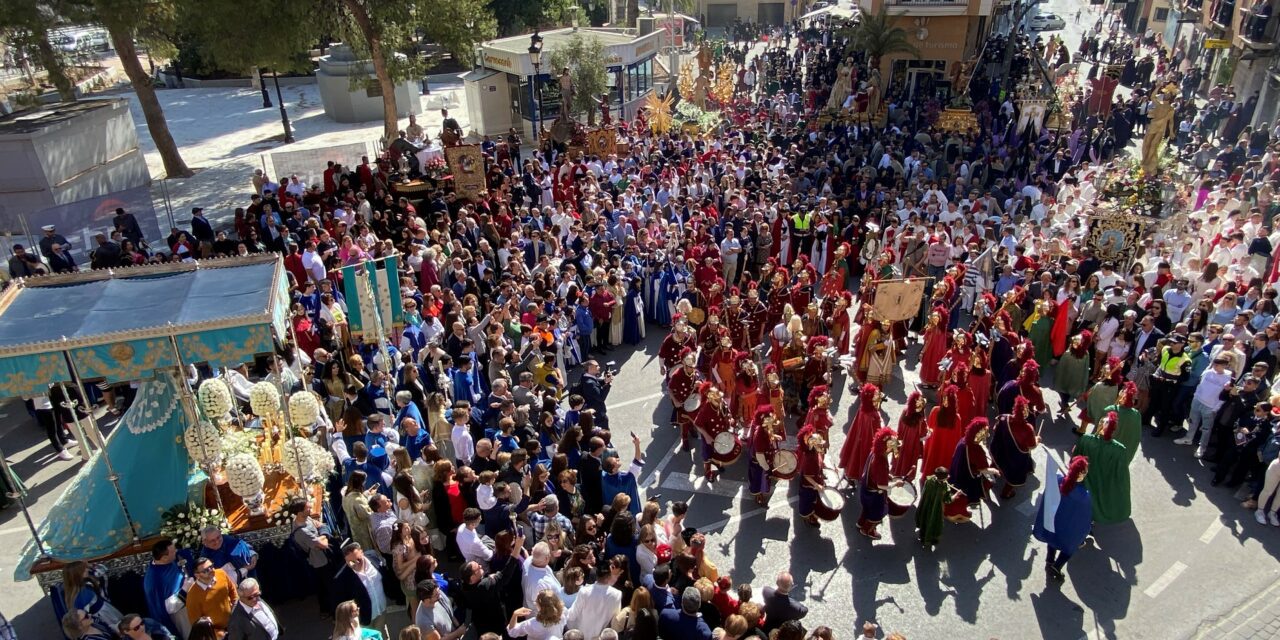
[(118, 324)]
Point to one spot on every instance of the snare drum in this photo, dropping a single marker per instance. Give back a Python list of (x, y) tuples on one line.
[(791, 364), (692, 403), (903, 494), (725, 448), (784, 464), (830, 504)]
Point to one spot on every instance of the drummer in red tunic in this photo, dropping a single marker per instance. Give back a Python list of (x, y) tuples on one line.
[(736, 320), (756, 314), (911, 434), (673, 344), (812, 480), (746, 388), (683, 385), (873, 491), (819, 415), (773, 393), (766, 433), (712, 419), (709, 337)]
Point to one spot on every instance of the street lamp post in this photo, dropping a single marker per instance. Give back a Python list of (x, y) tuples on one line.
[(284, 115), (262, 84), (535, 57)]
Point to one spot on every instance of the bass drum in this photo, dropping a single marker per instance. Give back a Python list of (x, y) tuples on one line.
[(725, 448), (830, 504), (784, 464)]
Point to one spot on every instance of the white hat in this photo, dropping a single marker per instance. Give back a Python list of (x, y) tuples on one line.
[(47, 227)]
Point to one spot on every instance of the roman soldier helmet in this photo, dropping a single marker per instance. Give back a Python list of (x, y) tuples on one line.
[(975, 427), (1030, 372), (948, 395), (1128, 394), (816, 393), (880, 443), (753, 290), (1107, 430), (734, 298), (1079, 465), (687, 357), (868, 393), (1115, 371), (817, 344), (989, 302)]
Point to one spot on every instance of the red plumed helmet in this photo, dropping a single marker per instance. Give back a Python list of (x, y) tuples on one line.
[(868, 392), (817, 392), (975, 426), (1077, 466), (882, 437), (770, 369), (1128, 394), (1107, 430)]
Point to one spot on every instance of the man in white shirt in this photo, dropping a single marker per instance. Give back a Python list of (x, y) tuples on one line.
[(595, 606), (1206, 402), (312, 262), (730, 249), (470, 543), (539, 576)]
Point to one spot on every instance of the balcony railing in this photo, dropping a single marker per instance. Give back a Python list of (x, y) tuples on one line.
[(1258, 30)]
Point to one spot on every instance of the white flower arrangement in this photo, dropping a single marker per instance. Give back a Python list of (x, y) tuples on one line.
[(304, 409), (203, 442), (297, 459), (183, 523), (264, 399), (244, 475), (237, 442), (214, 398), (322, 461)]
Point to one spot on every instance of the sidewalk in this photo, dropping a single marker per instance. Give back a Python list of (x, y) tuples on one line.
[(1257, 617), (224, 134)]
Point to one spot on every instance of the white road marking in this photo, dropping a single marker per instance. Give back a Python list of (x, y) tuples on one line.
[(1165, 579), (1212, 531), (627, 403), (698, 484), (9, 532), (655, 474)]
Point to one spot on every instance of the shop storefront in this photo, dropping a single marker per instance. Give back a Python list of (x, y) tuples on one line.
[(510, 91)]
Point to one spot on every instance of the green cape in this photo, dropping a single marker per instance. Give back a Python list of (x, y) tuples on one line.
[(1108, 479), (1128, 428)]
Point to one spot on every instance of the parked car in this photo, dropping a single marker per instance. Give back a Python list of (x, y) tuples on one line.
[(1047, 22)]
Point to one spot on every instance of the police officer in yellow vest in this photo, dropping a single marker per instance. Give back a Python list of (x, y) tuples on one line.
[(802, 231), (1172, 367)]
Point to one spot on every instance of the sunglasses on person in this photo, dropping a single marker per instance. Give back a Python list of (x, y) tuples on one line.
[(136, 627)]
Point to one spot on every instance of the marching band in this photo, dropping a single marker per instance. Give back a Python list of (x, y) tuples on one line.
[(739, 368)]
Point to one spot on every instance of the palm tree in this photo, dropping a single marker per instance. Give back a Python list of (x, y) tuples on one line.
[(879, 36)]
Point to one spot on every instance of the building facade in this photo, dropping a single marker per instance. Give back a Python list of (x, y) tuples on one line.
[(1234, 42), (946, 33), (508, 90), (721, 14)]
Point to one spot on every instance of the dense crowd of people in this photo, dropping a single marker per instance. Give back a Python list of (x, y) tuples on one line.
[(480, 487)]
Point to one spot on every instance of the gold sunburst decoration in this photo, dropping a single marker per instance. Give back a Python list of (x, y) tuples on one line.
[(723, 88), (685, 82), (659, 110)]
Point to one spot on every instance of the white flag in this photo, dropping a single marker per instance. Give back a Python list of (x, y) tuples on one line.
[(1052, 496)]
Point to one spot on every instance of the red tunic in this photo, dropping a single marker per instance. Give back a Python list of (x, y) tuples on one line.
[(669, 352), (941, 443), (858, 440), (935, 345), (911, 431)]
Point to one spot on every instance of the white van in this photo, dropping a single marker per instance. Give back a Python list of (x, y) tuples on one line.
[(94, 39)]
